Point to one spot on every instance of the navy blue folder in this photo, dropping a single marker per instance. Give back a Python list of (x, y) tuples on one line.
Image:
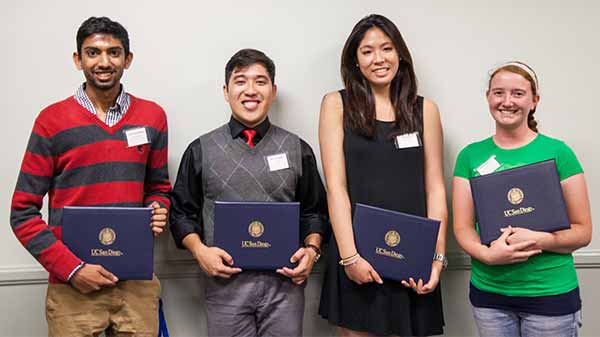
[(258, 235), (397, 245), (118, 238), (528, 196)]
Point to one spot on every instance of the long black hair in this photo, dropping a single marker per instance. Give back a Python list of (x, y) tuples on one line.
[(359, 114)]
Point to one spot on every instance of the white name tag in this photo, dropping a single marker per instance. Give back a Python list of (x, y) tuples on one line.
[(488, 166), (136, 136), (277, 162), (407, 140)]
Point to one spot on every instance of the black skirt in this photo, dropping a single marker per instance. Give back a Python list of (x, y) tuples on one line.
[(382, 310), (381, 175)]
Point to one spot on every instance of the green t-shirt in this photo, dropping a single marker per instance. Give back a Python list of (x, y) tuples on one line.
[(543, 274)]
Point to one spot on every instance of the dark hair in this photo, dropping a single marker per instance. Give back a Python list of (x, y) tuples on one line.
[(359, 114), (104, 25), (247, 57), (531, 122)]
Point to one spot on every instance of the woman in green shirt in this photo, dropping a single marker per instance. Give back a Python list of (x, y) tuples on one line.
[(524, 283)]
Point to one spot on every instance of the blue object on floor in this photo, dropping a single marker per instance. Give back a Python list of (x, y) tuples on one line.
[(163, 331)]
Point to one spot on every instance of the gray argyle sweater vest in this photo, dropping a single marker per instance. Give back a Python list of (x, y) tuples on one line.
[(233, 171)]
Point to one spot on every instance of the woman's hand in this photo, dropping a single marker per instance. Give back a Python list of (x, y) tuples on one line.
[(434, 279), (501, 252), (520, 234), (362, 272)]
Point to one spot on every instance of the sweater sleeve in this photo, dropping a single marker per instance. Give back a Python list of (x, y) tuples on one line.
[(157, 184), (33, 183)]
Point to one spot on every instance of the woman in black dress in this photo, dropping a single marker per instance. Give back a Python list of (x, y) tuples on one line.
[(381, 145)]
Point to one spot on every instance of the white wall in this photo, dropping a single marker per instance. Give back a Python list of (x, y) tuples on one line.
[(180, 50)]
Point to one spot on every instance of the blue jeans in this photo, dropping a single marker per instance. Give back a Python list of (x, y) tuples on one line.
[(505, 323)]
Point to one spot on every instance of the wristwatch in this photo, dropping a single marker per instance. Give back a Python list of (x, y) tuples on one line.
[(316, 249), (442, 258)]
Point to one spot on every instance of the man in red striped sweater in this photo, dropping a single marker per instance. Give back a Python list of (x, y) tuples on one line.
[(100, 147)]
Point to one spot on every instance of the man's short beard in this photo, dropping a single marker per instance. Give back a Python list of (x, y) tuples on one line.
[(100, 86), (106, 87)]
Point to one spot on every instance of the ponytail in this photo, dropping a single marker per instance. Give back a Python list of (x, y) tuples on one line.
[(531, 122)]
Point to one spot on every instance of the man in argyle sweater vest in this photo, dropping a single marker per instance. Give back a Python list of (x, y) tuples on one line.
[(231, 163), (80, 154)]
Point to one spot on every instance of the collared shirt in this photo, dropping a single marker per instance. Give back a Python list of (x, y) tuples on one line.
[(114, 113), (236, 128), (187, 196)]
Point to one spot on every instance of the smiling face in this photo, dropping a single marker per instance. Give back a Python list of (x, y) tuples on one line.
[(510, 99), (377, 58), (102, 61), (250, 93)]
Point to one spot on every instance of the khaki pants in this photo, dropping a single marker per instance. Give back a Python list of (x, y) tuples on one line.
[(128, 309)]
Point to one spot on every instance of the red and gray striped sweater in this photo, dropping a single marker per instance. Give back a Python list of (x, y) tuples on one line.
[(78, 160)]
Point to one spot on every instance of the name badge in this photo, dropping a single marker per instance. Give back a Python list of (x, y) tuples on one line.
[(136, 136), (407, 140), (277, 162), (488, 166)]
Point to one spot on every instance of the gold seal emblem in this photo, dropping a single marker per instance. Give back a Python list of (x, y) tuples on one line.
[(515, 196), (256, 229), (107, 236), (392, 238)]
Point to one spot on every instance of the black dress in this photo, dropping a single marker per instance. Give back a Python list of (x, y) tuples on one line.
[(379, 174)]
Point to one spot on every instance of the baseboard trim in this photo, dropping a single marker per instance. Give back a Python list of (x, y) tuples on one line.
[(188, 268)]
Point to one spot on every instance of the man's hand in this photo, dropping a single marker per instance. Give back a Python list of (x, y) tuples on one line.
[(159, 218), (215, 262), (92, 277), (306, 260)]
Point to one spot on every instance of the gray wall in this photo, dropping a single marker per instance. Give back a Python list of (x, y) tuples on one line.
[(180, 51)]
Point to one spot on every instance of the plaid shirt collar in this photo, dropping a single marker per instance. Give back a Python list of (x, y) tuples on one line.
[(114, 113)]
